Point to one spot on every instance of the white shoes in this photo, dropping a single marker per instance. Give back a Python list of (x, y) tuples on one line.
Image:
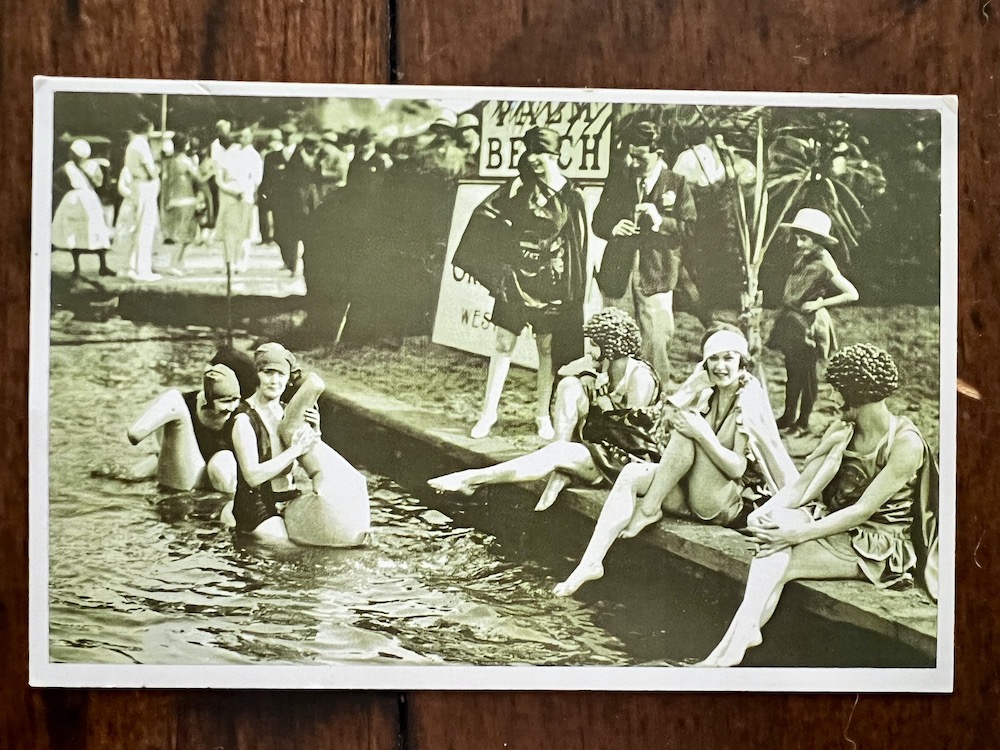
[(545, 429), (483, 426), (136, 276)]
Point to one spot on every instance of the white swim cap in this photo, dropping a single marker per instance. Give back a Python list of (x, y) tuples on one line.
[(725, 341)]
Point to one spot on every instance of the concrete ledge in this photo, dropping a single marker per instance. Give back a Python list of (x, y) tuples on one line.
[(904, 616)]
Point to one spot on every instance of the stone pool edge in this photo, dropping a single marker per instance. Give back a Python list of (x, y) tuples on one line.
[(905, 616)]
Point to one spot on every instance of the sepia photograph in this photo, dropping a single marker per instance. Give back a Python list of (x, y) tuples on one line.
[(394, 387)]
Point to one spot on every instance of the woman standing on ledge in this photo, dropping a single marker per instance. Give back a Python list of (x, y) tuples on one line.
[(723, 445), (601, 422), (851, 513), (527, 244)]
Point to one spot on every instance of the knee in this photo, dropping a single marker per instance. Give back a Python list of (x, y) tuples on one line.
[(679, 448), (505, 341), (570, 394), (543, 342), (222, 472)]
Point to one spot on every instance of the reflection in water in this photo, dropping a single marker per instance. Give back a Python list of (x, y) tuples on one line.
[(139, 575)]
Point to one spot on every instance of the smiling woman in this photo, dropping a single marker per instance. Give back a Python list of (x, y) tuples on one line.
[(723, 450)]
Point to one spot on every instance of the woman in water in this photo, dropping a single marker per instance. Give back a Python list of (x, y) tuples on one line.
[(601, 419), (803, 330), (194, 448), (851, 514), (268, 438), (723, 446)]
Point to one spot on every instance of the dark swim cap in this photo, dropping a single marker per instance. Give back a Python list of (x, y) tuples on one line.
[(274, 355), (863, 374), (614, 331), (220, 382)]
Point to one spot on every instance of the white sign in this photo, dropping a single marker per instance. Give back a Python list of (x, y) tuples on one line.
[(585, 128), (465, 306)]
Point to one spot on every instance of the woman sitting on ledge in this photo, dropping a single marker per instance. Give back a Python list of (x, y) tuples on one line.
[(851, 513), (601, 420), (723, 446)]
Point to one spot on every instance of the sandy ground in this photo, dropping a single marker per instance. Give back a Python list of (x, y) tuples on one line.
[(441, 379)]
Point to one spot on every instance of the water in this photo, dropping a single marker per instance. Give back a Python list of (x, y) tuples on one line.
[(139, 575)]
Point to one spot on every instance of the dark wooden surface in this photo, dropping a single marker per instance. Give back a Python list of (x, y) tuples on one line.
[(929, 46)]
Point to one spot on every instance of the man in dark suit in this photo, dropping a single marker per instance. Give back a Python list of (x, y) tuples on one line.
[(646, 214)]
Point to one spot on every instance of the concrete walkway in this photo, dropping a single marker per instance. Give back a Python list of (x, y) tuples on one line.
[(204, 272)]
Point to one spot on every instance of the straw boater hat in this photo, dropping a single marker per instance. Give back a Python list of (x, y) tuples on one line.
[(467, 120), (814, 222)]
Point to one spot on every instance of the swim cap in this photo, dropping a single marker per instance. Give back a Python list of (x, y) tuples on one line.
[(274, 355), (220, 382), (863, 374), (615, 332), (725, 341)]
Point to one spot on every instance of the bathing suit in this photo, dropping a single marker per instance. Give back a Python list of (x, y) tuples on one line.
[(614, 433), (882, 545), (254, 505), (209, 441)]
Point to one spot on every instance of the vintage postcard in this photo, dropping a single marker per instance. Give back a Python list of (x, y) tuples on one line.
[(471, 388)]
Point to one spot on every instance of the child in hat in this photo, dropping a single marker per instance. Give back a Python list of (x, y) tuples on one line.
[(803, 330)]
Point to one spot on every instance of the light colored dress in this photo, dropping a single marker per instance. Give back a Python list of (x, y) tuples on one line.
[(78, 223)]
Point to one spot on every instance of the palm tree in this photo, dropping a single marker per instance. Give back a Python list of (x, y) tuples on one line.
[(803, 158)]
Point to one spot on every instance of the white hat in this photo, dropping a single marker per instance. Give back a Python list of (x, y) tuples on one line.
[(814, 222), (446, 120), (725, 341), (80, 149), (467, 120)]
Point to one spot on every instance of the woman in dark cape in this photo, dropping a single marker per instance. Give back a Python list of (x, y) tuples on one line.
[(527, 244)]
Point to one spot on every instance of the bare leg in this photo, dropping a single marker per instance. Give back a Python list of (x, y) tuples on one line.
[(180, 465), (177, 264), (621, 503), (570, 409), (495, 378), (711, 496), (556, 484), (543, 388), (306, 397), (675, 463), (568, 456), (221, 472), (767, 578), (337, 513), (273, 530)]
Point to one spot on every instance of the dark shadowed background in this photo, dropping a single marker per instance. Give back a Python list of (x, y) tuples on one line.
[(882, 46)]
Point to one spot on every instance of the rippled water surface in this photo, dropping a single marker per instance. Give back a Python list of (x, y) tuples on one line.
[(140, 575)]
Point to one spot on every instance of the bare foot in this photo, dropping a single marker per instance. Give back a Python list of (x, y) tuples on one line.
[(731, 654), (554, 486), (577, 578), (461, 482), (638, 522)]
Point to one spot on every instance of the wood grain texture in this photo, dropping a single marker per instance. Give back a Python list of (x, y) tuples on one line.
[(904, 46), (934, 46), (320, 40)]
